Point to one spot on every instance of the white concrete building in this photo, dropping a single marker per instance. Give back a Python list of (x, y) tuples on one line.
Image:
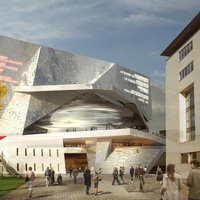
[(183, 97)]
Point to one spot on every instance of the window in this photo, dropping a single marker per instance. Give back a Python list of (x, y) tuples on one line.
[(186, 71), (33, 152), (42, 167), (57, 153), (58, 167), (34, 166), (184, 158), (187, 115), (26, 166), (17, 152), (49, 152), (17, 166), (25, 152), (42, 152), (190, 115), (187, 157), (185, 51)]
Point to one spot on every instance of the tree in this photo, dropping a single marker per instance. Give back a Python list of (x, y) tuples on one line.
[(3, 91)]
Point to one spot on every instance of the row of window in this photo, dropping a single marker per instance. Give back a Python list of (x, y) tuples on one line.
[(185, 50), (35, 166), (34, 152), (186, 71), (187, 157)]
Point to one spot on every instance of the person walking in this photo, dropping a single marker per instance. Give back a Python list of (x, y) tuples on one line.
[(145, 169), (132, 172), (95, 179), (141, 174), (136, 172), (70, 172), (115, 176), (193, 180), (121, 174), (172, 184), (75, 174), (30, 174), (159, 175), (52, 176), (47, 175), (87, 182)]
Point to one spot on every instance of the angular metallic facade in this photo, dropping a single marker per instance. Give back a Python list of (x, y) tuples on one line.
[(52, 89), (79, 105)]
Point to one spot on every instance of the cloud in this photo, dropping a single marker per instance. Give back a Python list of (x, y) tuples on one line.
[(50, 19), (159, 74)]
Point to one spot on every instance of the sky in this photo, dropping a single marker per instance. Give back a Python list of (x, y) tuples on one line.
[(131, 33)]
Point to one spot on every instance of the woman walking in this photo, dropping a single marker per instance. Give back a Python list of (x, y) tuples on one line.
[(172, 184), (95, 179), (159, 175)]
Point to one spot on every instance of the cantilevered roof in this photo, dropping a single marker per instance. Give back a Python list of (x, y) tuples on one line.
[(187, 33)]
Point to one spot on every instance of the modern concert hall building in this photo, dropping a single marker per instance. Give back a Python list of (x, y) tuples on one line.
[(64, 111)]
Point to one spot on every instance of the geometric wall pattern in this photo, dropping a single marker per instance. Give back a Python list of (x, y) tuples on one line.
[(55, 91), (86, 106)]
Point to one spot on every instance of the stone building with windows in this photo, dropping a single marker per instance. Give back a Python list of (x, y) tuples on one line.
[(182, 97), (64, 111)]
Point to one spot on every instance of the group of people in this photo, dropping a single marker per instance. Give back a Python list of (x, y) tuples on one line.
[(136, 171), (118, 175), (172, 182), (91, 175), (49, 175), (139, 173)]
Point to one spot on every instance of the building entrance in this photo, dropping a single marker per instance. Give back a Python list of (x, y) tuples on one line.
[(76, 160)]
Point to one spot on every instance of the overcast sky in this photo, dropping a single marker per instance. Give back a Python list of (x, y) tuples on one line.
[(131, 33)]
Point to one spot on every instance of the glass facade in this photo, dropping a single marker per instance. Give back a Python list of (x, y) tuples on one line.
[(190, 115)]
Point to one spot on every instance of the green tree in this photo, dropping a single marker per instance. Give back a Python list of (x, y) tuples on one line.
[(3, 91)]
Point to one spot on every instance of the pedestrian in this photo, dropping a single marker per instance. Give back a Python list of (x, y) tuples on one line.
[(136, 172), (75, 174), (172, 184), (47, 175), (96, 178), (141, 174), (52, 176), (87, 182), (145, 169), (70, 172), (115, 176), (193, 180), (59, 179), (121, 174), (132, 172), (159, 175), (30, 174)]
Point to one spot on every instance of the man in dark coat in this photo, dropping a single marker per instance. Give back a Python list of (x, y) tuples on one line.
[(87, 182), (131, 172), (115, 176)]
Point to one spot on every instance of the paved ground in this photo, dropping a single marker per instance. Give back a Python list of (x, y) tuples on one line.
[(70, 191)]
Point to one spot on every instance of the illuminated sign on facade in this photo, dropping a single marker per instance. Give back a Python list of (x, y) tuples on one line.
[(8, 64), (141, 83)]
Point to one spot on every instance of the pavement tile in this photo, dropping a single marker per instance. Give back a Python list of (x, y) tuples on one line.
[(70, 191)]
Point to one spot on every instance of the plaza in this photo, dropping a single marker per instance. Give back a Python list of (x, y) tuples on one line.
[(70, 191)]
